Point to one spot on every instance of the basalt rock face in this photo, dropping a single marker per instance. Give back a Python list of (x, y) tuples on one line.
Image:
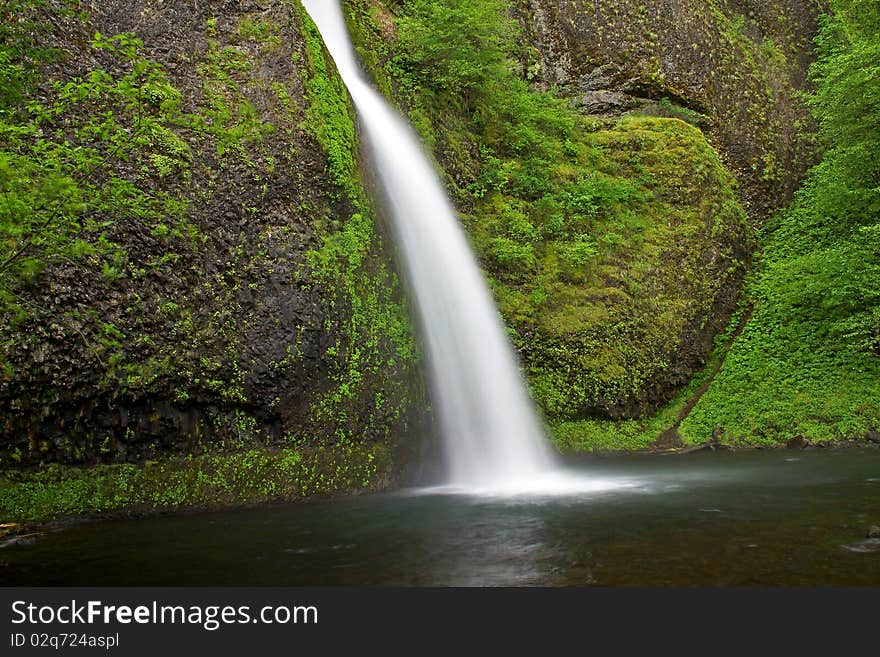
[(738, 63), (261, 309)]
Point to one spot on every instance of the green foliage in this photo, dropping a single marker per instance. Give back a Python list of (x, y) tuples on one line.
[(511, 257), (84, 159), (603, 436), (666, 108), (618, 267), (807, 363), (328, 115), (457, 55), (847, 79), (459, 46), (229, 117), (82, 155), (101, 153), (376, 347), (377, 340), (578, 253), (261, 30)]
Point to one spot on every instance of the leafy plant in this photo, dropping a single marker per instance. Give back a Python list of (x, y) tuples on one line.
[(808, 362)]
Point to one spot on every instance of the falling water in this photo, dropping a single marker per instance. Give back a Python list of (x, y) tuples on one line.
[(491, 436)]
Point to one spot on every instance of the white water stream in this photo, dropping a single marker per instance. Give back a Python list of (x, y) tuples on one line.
[(492, 438)]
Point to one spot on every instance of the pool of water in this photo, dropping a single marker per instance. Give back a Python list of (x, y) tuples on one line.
[(701, 519)]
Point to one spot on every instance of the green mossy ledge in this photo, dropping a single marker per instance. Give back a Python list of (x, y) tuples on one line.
[(209, 481)]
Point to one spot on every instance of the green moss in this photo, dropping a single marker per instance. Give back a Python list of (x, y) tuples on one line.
[(173, 352), (259, 30), (602, 436), (88, 153), (227, 115), (662, 428), (616, 290), (328, 114), (213, 480), (375, 355)]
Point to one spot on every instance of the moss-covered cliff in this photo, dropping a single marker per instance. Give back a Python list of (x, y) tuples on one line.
[(204, 275), (741, 64), (613, 235)]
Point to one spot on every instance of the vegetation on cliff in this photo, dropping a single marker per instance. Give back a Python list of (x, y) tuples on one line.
[(738, 65), (808, 362), (613, 246), (191, 274)]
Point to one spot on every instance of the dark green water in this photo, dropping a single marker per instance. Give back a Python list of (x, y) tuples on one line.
[(703, 519)]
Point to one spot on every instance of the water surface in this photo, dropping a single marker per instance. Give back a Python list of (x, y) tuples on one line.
[(703, 519)]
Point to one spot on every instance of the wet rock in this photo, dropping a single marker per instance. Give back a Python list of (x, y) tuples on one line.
[(601, 77), (871, 545), (605, 102), (873, 531), (711, 445), (23, 539), (715, 443), (798, 442), (235, 328), (872, 435), (9, 528)]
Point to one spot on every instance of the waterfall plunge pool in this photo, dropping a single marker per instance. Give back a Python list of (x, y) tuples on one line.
[(703, 519)]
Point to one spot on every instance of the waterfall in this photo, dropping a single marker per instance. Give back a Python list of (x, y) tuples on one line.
[(491, 436)]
